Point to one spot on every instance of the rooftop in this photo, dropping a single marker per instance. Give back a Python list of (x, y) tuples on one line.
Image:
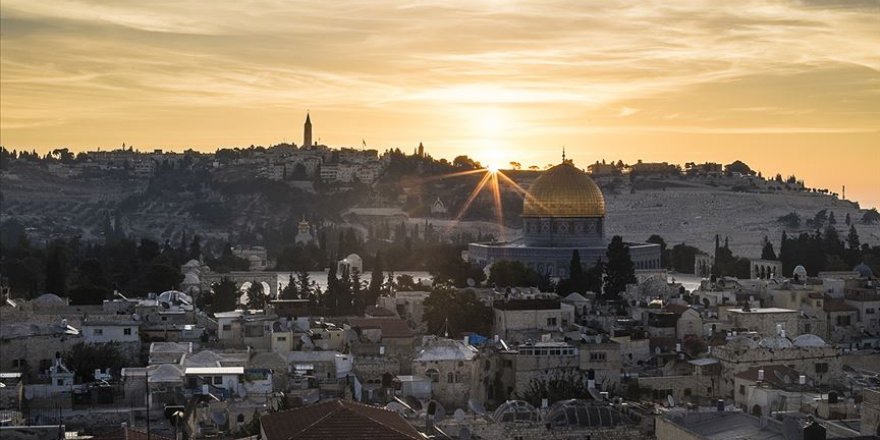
[(214, 370), (337, 419), (761, 310)]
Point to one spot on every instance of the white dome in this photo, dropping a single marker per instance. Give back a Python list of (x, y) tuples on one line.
[(775, 342), (800, 272), (353, 258), (192, 264), (516, 411), (808, 340), (49, 300)]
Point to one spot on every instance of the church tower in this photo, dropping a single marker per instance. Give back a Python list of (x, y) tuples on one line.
[(307, 132)]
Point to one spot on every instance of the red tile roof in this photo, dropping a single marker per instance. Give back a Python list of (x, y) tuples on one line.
[(338, 419)]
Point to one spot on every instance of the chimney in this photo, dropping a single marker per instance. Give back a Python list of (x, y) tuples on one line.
[(760, 375), (802, 380)]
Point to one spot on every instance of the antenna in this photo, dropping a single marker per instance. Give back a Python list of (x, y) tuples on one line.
[(563, 153)]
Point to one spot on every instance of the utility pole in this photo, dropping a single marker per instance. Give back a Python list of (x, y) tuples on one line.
[(147, 388)]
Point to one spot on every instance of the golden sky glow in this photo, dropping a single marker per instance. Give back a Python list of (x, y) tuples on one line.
[(787, 86)]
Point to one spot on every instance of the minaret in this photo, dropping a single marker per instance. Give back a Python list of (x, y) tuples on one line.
[(421, 150), (307, 132)]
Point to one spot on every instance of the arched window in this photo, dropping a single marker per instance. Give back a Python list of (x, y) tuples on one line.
[(450, 378), (433, 374)]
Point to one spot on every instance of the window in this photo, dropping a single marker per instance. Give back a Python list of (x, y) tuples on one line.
[(227, 327), (551, 322), (433, 374), (164, 318), (869, 311), (843, 320), (98, 331), (218, 380), (282, 338), (808, 328), (507, 363), (821, 367), (742, 389), (450, 378), (15, 363), (59, 382), (126, 331), (597, 357)]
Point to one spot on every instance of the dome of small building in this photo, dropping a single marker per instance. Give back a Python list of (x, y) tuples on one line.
[(564, 191), (800, 272), (808, 340), (191, 264), (354, 259), (775, 342), (864, 271), (582, 413), (516, 411), (49, 300)]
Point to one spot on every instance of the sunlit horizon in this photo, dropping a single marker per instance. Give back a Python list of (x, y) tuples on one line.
[(789, 87)]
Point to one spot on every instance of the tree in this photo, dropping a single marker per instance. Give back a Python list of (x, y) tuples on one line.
[(767, 252), (256, 297), (852, 240), (682, 258), (289, 291), (511, 273), (377, 278), (664, 254), (559, 384), (738, 167), (56, 270), (84, 359), (620, 269), (790, 220), (224, 296), (161, 277), (456, 311)]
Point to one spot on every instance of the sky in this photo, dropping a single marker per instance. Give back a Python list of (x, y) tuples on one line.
[(789, 87)]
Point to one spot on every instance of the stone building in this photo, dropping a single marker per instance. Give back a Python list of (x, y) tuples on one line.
[(454, 370), (870, 416), (764, 320), (601, 356), (32, 348), (525, 317), (808, 354)]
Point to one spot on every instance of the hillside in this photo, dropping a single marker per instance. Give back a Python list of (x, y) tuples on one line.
[(231, 204)]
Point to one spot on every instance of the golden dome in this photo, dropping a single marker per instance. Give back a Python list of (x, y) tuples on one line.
[(564, 191)]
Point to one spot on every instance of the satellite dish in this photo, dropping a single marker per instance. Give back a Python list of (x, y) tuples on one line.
[(458, 415), (395, 406), (670, 400), (135, 317), (476, 407), (470, 282), (436, 410), (218, 417)]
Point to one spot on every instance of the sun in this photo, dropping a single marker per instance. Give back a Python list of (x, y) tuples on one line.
[(493, 168)]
